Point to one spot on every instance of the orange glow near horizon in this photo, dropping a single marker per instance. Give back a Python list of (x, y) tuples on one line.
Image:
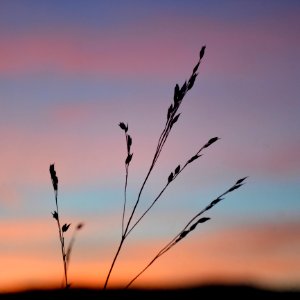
[(267, 257)]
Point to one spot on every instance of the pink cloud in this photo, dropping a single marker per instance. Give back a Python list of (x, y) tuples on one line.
[(151, 50), (75, 55)]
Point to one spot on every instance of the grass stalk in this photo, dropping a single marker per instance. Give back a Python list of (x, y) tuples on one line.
[(172, 118), (190, 226), (61, 229)]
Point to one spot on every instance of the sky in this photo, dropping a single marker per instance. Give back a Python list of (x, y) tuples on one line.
[(70, 71)]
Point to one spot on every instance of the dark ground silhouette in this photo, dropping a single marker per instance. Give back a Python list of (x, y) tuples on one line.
[(203, 292)]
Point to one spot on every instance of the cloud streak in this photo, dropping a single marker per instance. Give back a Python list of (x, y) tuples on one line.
[(122, 53)]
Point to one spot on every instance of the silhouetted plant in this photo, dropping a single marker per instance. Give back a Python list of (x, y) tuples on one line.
[(172, 118), (191, 225), (62, 229)]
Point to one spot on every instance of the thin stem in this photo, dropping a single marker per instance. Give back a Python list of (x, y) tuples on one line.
[(159, 195), (146, 211), (160, 253), (125, 199), (113, 263), (125, 189), (62, 242), (127, 225), (139, 274), (138, 199), (128, 222), (162, 139)]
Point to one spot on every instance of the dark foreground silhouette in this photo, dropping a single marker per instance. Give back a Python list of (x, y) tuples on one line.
[(204, 292)]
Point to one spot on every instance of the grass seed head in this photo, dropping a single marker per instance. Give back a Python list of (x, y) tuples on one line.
[(53, 177)]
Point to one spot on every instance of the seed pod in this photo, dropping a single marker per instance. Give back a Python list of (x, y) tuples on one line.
[(211, 141), (176, 93), (215, 201), (55, 215), (192, 81), (184, 234), (128, 159), (129, 142), (170, 178), (202, 52), (193, 226), (193, 158), (183, 89), (65, 227), (170, 110), (234, 187), (177, 170), (53, 177), (202, 220), (123, 126), (175, 120), (241, 180), (196, 67)]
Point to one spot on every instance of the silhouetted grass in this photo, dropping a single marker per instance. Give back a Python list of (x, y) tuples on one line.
[(127, 226), (66, 254), (172, 117)]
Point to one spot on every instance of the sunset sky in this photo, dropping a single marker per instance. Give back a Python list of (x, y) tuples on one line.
[(70, 71)]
